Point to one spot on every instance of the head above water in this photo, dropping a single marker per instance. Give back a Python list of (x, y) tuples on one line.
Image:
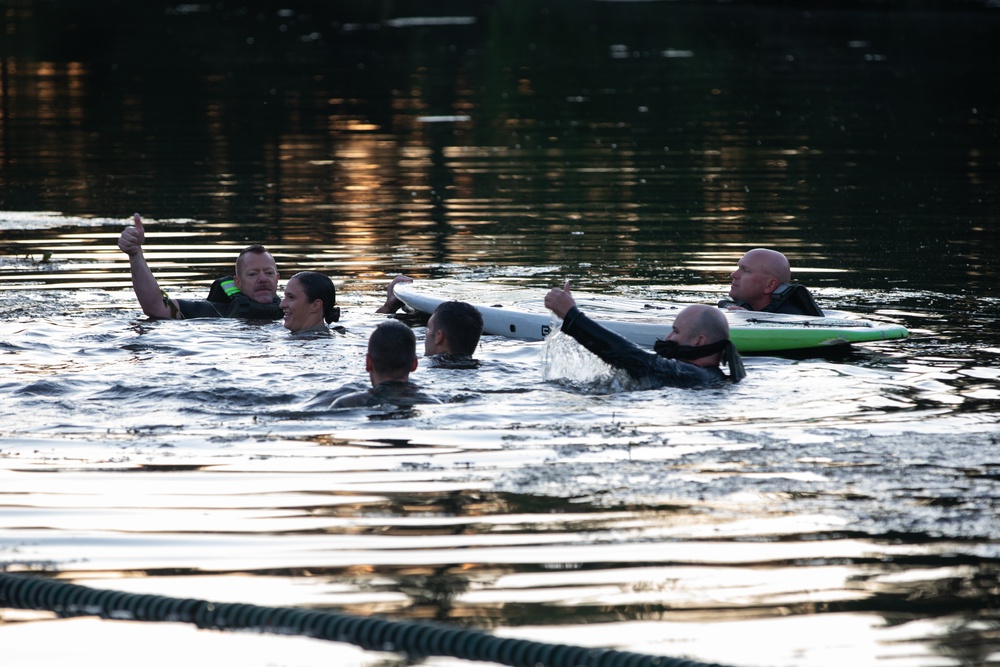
[(392, 352), (454, 328), (319, 287), (699, 325), (757, 275), (700, 336), (310, 299), (257, 274)]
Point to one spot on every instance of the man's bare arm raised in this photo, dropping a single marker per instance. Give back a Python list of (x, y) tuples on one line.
[(147, 290)]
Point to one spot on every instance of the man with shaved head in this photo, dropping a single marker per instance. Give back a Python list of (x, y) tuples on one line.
[(689, 357), (762, 281)]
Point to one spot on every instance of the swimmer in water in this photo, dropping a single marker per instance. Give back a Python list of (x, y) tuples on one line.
[(391, 357), (762, 282), (252, 293), (309, 303), (689, 357)]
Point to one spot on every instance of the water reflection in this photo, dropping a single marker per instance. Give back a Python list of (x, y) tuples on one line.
[(332, 159), (829, 509), (524, 502)]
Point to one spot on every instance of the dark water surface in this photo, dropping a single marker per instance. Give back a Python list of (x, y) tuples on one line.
[(826, 511)]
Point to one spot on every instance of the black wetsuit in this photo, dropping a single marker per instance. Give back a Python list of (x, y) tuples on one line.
[(393, 392), (641, 365), (229, 302)]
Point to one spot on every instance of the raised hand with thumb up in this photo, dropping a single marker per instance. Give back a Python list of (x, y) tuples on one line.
[(130, 241), (559, 300)]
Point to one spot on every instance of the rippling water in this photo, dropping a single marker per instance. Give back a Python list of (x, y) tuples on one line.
[(827, 509)]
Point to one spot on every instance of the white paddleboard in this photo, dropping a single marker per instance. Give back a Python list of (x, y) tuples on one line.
[(515, 312)]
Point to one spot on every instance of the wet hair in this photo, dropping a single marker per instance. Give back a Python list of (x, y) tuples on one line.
[(392, 348), (255, 249), (462, 325), (317, 286)]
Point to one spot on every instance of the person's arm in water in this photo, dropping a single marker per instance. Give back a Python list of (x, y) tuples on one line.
[(609, 346), (147, 290), (392, 303), (614, 349)]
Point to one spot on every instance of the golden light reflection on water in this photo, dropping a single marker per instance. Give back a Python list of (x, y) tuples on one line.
[(806, 517)]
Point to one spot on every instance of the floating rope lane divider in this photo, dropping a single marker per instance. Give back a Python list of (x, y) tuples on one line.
[(375, 634)]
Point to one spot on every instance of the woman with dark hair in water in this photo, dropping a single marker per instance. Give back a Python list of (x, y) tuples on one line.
[(310, 303)]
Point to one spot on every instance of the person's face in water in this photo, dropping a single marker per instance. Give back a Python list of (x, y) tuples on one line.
[(299, 312), (257, 276)]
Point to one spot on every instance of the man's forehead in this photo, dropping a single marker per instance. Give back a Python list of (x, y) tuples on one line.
[(257, 261)]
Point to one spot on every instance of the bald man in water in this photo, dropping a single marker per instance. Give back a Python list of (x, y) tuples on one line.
[(762, 281), (689, 357)]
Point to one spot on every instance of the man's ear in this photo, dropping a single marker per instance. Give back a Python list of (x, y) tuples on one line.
[(414, 367), (700, 340), (772, 285), (368, 363)]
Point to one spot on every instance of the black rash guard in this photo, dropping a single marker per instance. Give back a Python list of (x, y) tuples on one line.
[(393, 392), (638, 363)]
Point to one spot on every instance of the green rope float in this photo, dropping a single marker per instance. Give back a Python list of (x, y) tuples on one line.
[(417, 640)]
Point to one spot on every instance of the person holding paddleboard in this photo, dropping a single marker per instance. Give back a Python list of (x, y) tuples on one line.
[(453, 330), (392, 302), (252, 293), (762, 281), (689, 357)]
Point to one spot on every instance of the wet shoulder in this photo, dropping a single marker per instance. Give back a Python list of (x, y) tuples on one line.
[(402, 394), (358, 399)]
